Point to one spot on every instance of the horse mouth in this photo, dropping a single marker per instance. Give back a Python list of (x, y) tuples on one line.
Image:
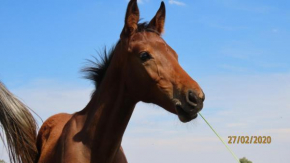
[(182, 114)]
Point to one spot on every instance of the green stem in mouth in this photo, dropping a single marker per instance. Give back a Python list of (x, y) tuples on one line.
[(220, 138)]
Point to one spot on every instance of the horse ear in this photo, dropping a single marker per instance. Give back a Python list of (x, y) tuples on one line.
[(157, 23), (131, 19)]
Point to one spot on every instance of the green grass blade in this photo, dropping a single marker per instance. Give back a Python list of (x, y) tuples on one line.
[(220, 139)]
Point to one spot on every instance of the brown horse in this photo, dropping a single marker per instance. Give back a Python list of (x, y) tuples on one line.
[(141, 67)]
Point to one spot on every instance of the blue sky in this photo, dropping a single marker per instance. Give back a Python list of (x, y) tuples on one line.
[(238, 51)]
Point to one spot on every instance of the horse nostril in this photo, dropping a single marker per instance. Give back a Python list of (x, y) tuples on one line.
[(192, 98)]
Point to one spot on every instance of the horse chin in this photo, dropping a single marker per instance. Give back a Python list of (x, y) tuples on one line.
[(183, 115)]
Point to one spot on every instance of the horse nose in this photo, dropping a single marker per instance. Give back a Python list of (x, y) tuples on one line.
[(192, 99), (195, 100)]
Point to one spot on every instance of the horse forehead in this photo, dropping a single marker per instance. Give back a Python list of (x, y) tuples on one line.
[(147, 40), (146, 37)]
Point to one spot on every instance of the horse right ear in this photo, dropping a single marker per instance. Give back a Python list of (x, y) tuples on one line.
[(131, 19)]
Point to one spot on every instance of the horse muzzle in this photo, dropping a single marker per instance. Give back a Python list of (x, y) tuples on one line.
[(188, 107)]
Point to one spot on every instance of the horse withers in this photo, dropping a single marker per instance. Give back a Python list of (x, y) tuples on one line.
[(140, 67)]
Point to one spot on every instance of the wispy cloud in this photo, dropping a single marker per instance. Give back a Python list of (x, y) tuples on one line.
[(236, 125), (248, 6), (220, 23), (174, 2), (234, 68), (140, 1)]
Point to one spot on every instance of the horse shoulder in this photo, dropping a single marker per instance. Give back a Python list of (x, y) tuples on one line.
[(50, 133)]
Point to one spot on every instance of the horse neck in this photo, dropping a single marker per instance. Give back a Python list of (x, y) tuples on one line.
[(108, 114)]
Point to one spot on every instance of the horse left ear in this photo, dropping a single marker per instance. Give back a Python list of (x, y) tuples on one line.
[(131, 19), (157, 23)]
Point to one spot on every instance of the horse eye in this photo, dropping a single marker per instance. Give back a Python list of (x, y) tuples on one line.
[(144, 56)]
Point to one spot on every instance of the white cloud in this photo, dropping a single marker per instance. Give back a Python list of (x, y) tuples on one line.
[(236, 125), (174, 2), (47, 97)]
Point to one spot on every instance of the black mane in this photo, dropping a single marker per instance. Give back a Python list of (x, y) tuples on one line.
[(97, 68)]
